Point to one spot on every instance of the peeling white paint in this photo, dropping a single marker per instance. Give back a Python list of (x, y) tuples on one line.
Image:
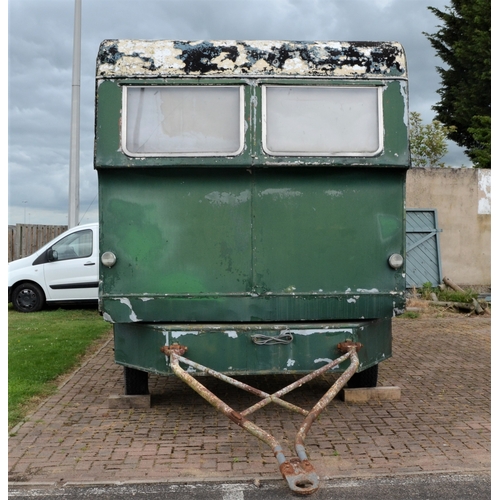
[(323, 360), (127, 58), (334, 193), (218, 198), (145, 299), (133, 317), (363, 290), (403, 87), (165, 334), (107, 317), (484, 191), (280, 193), (318, 331), (290, 363), (180, 333), (231, 334)]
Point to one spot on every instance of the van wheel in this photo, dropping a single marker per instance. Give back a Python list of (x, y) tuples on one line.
[(28, 297), (136, 381), (366, 378)]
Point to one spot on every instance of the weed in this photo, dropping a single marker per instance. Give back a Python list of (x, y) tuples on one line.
[(447, 294), (410, 315)]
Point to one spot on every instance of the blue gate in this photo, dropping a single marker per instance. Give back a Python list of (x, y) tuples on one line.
[(423, 257)]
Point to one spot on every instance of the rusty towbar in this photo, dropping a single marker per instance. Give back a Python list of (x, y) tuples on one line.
[(298, 472)]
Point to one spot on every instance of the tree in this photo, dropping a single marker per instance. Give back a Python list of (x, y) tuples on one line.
[(464, 44), (427, 142)]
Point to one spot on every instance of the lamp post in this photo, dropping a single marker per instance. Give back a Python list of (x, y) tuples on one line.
[(74, 160)]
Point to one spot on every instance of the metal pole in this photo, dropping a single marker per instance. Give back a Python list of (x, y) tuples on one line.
[(74, 160)]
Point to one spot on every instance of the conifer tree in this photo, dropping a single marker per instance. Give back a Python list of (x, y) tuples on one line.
[(463, 42)]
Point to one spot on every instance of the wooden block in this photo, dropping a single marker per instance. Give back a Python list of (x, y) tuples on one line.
[(365, 394), (120, 402)]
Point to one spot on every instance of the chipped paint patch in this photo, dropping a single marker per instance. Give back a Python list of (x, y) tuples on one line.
[(290, 363), (334, 193), (180, 333), (280, 193), (146, 58), (231, 334), (165, 334), (364, 290), (107, 317), (484, 191), (323, 360), (133, 317), (319, 331), (218, 198)]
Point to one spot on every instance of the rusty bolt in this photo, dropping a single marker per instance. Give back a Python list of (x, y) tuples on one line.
[(349, 344), (178, 349)]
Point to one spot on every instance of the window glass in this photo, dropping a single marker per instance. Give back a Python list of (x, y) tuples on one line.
[(184, 120), (74, 246), (322, 121)]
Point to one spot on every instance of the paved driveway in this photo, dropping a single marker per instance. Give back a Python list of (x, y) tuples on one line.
[(441, 423)]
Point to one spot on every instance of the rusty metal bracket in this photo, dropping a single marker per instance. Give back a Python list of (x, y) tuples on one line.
[(349, 344), (298, 472), (174, 348)]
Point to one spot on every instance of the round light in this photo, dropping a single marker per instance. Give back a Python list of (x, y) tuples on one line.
[(396, 261), (108, 259)]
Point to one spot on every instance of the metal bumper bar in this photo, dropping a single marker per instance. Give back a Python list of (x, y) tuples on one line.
[(298, 472)]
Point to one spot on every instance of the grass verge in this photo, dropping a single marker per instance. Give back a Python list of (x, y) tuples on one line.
[(42, 347)]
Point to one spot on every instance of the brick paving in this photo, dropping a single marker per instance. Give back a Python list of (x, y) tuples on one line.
[(441, 422)]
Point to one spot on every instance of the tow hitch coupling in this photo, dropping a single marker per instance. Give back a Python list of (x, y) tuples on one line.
[(298, 472)]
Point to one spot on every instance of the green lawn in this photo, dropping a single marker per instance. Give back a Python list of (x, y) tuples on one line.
[(43, 346)]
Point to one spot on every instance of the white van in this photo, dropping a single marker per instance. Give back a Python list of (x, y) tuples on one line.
[(65, 270)]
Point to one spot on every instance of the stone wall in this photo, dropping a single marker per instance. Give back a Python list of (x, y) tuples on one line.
[(462, 199)]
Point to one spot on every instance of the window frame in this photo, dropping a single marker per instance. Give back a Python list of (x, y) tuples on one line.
[(380, 122), (164, 154)]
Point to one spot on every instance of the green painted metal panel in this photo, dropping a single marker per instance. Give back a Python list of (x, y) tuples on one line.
[(327, 231), (229, 348), (174, 233), (251, 245), (109, 153)]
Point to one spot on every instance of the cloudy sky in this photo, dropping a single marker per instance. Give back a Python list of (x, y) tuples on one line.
[(40, 38)]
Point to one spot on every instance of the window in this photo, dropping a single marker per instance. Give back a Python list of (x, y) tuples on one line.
[(73, 246), (322, 121), (183, 121)]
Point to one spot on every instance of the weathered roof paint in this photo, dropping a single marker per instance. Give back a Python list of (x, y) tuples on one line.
[(162, 58)]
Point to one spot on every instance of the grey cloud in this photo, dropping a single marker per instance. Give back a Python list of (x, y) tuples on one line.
[(40, 65)]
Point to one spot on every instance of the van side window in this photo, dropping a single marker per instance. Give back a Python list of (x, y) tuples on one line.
[(74, 246)]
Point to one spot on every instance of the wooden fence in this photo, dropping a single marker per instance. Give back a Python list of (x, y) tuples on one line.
[(24, 239)]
